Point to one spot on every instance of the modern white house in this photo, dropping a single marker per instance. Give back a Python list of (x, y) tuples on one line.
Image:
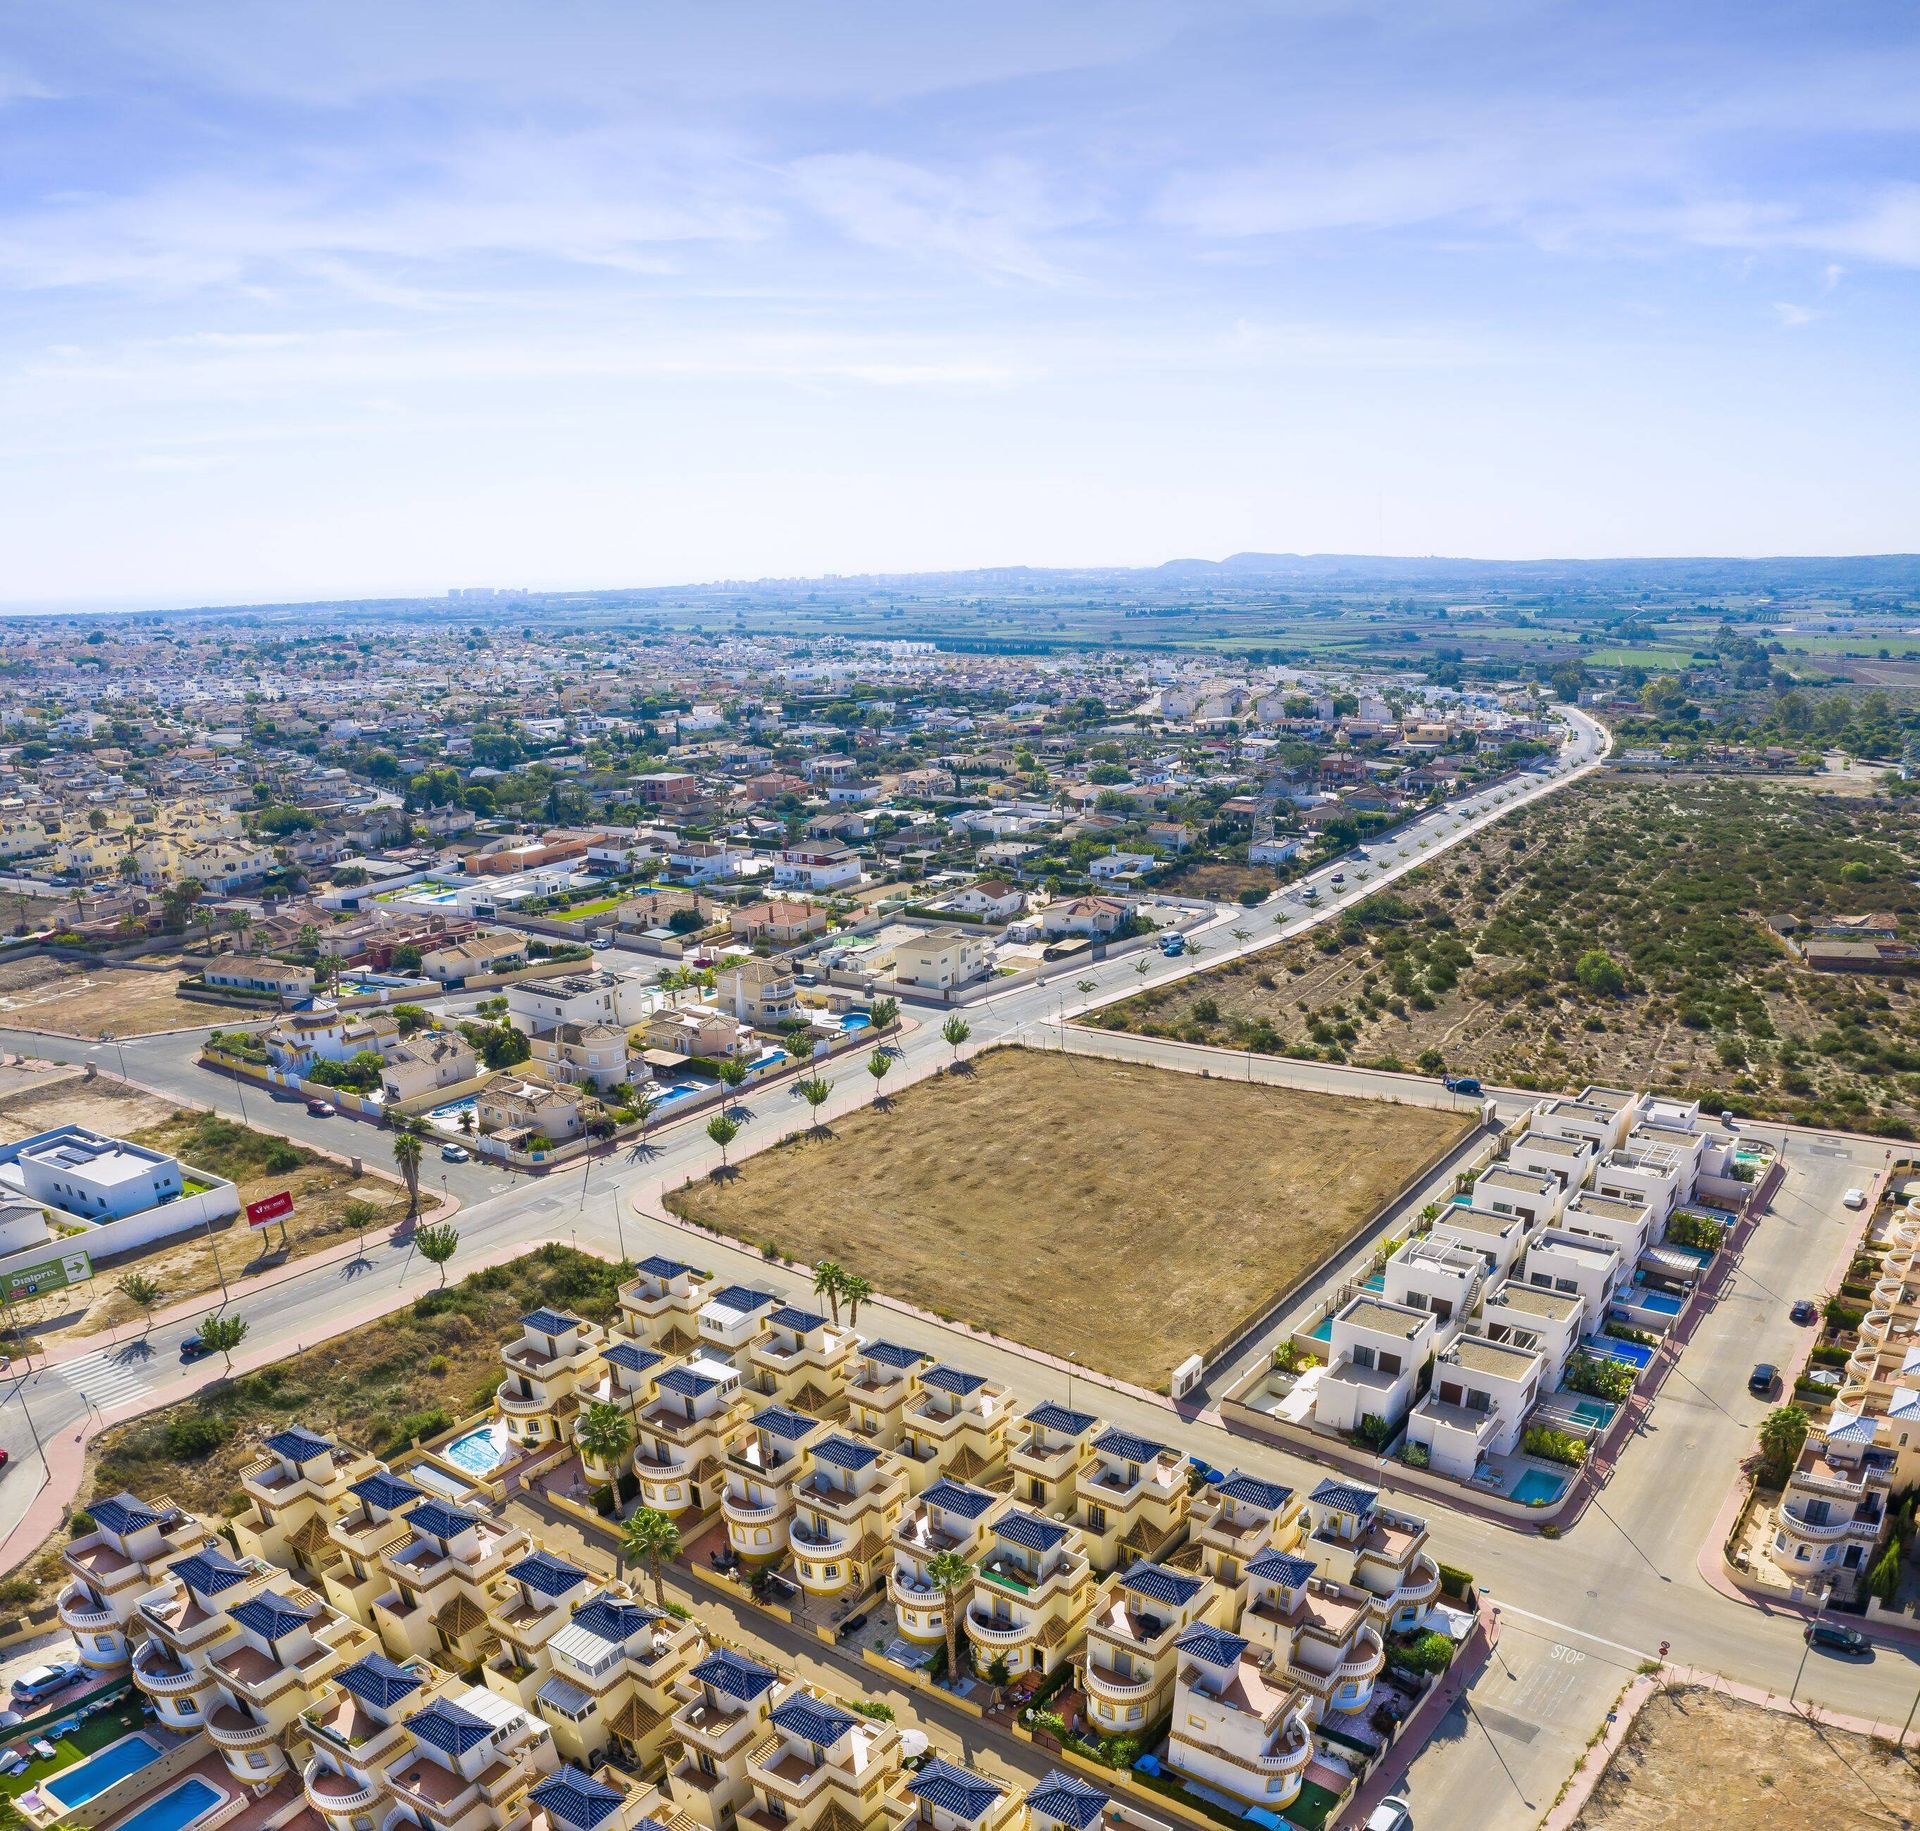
[(941, 959), (1482, 1391), (1374, 1357)]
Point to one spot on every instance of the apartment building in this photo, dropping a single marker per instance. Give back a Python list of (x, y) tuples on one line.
[(1127, 1669), (555, 1356), (949, 1517), (955, 1425), (1032, 1592), (1130, 1499), (1050, 1447), (1482, 1391), (802, 1360), (111, 1566), (765, 1459), (660, 1307), (727, 1711), (733, 1318), (680, 1440), (881, 1383), (293, 1492), (822, 1768), (950, 1798), (1238, 1726), (1244, 1515), (845, 1506), (1376, 1352), (1387, 1549)]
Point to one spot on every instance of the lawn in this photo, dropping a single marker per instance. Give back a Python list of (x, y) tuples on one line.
[(85, 1739), (1125, 1214), (1484, 961), (1697, 1760)]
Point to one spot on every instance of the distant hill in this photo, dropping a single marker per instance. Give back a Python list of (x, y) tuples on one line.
[(1792, 572)]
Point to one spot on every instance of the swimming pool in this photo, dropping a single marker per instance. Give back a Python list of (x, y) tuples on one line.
[(1611, 1348), (85, 1779), (479, 1452), (192, 1799), (1596, 1412), (1323, 1330), (1661, 1303), (1536, 1488), (856, 1020), (667, 1095)]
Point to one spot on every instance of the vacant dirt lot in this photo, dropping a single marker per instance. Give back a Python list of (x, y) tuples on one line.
[(41, 994), (1128, 1213), (1707, 1763), (1616, 933)]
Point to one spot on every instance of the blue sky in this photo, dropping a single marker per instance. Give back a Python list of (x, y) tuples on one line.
[(353, 298)]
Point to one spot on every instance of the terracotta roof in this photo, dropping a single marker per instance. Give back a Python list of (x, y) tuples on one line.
[(635, 1720), (459, 1617)]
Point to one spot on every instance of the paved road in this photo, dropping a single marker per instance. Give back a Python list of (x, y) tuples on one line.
[(1580, 1612)]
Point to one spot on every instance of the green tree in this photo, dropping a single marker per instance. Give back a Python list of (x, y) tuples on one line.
[(952, 1576), (437, 1245), (604, 1435), (723, 1131), (1783, 1433), (1883, 1580), (814, 1090), (829, 1280), (407, 1151), (856, 1290), (885, 1013), (650, 1537), (359, 1215), (1600, 974), (223, 1334), (139, 1289), (954, 1032), (733, 1075), (879, 1064)]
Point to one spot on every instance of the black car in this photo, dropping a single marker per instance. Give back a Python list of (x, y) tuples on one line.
[(1806, 1310), (1840, 1640), (192, 1348), (1762, 1380)]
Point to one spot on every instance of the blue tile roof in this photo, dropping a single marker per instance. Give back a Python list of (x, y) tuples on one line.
[(1155, 1581), (1031, 1531), (1050, 1416), (613, 1619), (957, 1497), (1256, 1493), (780, 1421), (298, 1445), (271, 1616), (1069, 1800), (802, 1322), (549, 1322), (545, 1574), (123, 1514), (209, 1572), (1344, 1497), (445, 1726), (377, 1680), (739, 1297), (659, 1266), (631, 1356), (387, 1492), (574, 1799), (843, 1453), (1280, 1567), (816, 1722), (440, 1521), (892, 1354), (734, 1674), (1214, 1646), (951, 1379), (685, 1382), (953, 1789), (1127, 1446)]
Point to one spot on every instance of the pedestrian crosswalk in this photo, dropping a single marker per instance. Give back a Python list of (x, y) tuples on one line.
[(109, 1376)]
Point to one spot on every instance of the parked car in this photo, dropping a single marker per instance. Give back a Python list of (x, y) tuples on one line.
[(455, 1153), (602, 942), (320, 1109), (1805, 1310), (1762, 1380), (1391, 1814), (6, 1456), (44, 1681), (1831, 1635), (1854, 1198)]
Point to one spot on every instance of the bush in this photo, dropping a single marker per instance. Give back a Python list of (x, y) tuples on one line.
[(1427, 1653), (1553, 1445), (194, 1436), (1455, 1582), (1696, 1230), (415, 1426), (1602, 1379)]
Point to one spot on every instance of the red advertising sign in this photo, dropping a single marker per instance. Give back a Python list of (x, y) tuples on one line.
[(269, 1208)]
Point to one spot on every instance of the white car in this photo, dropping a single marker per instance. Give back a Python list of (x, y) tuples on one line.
[(455, 1153), (1854, 1198), (1391, 1814)]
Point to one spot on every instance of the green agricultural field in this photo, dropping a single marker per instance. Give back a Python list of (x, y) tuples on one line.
[(1617, 932)]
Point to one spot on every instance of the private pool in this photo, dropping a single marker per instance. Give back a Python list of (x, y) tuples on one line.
[(856, 1020), (1661, 1303), (1536, 1488), (1596, 1412), (1322, 1330), (86, 1779), (1637, 1355), (479, 1452), (184, 1805)]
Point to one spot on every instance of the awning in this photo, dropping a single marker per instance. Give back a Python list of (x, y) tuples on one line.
[(1671, 1264), (558, 1695)]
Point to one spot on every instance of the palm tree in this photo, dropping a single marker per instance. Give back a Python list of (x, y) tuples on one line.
[(437, 1245), (952, 1576), (1083, 986), (954, 1032), (829, 1280), (139, 1289), (240, 921), (856, 1290), (723, 1131), (407, 1151), (650, 1537), (878, 1064), (223, 1334), (203, 920), (604, 1435), (814, 1090)]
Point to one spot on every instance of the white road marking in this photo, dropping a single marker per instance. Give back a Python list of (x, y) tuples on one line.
[(1508, 1608), (105, 1380)]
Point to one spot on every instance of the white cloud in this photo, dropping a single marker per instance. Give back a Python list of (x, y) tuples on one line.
[(1794, 317)]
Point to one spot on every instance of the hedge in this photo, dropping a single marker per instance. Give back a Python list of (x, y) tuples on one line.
[(1455, 1582)]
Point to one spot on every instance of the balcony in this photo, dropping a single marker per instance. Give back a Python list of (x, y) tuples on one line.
[(1422, 1584), (156, 1671), (821, 1541), (521, 1405), (84, 1612), (753, 1513), (229, 1728), (330, 1791), (1111, 1687), (992, 1633), (782, 1772), (1798, 1526), (911, 1591), (1364, 1664)]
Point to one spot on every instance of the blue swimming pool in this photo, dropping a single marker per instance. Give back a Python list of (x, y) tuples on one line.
[(856, 1020), (1661, 1303), (1323, 1330), (115, 1762), (1610, 1348), (667, 1095), (192, 1799), (478, 1451), (1536, 1488), (1596, 1412)]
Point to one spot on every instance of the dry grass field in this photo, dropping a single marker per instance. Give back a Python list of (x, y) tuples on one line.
[(1697, 1760), (71, 1000), (1129, 1214)]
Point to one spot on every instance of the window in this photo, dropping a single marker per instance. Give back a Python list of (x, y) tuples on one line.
[(1389, 1363), (1363, 1357), (1096, 1519)]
